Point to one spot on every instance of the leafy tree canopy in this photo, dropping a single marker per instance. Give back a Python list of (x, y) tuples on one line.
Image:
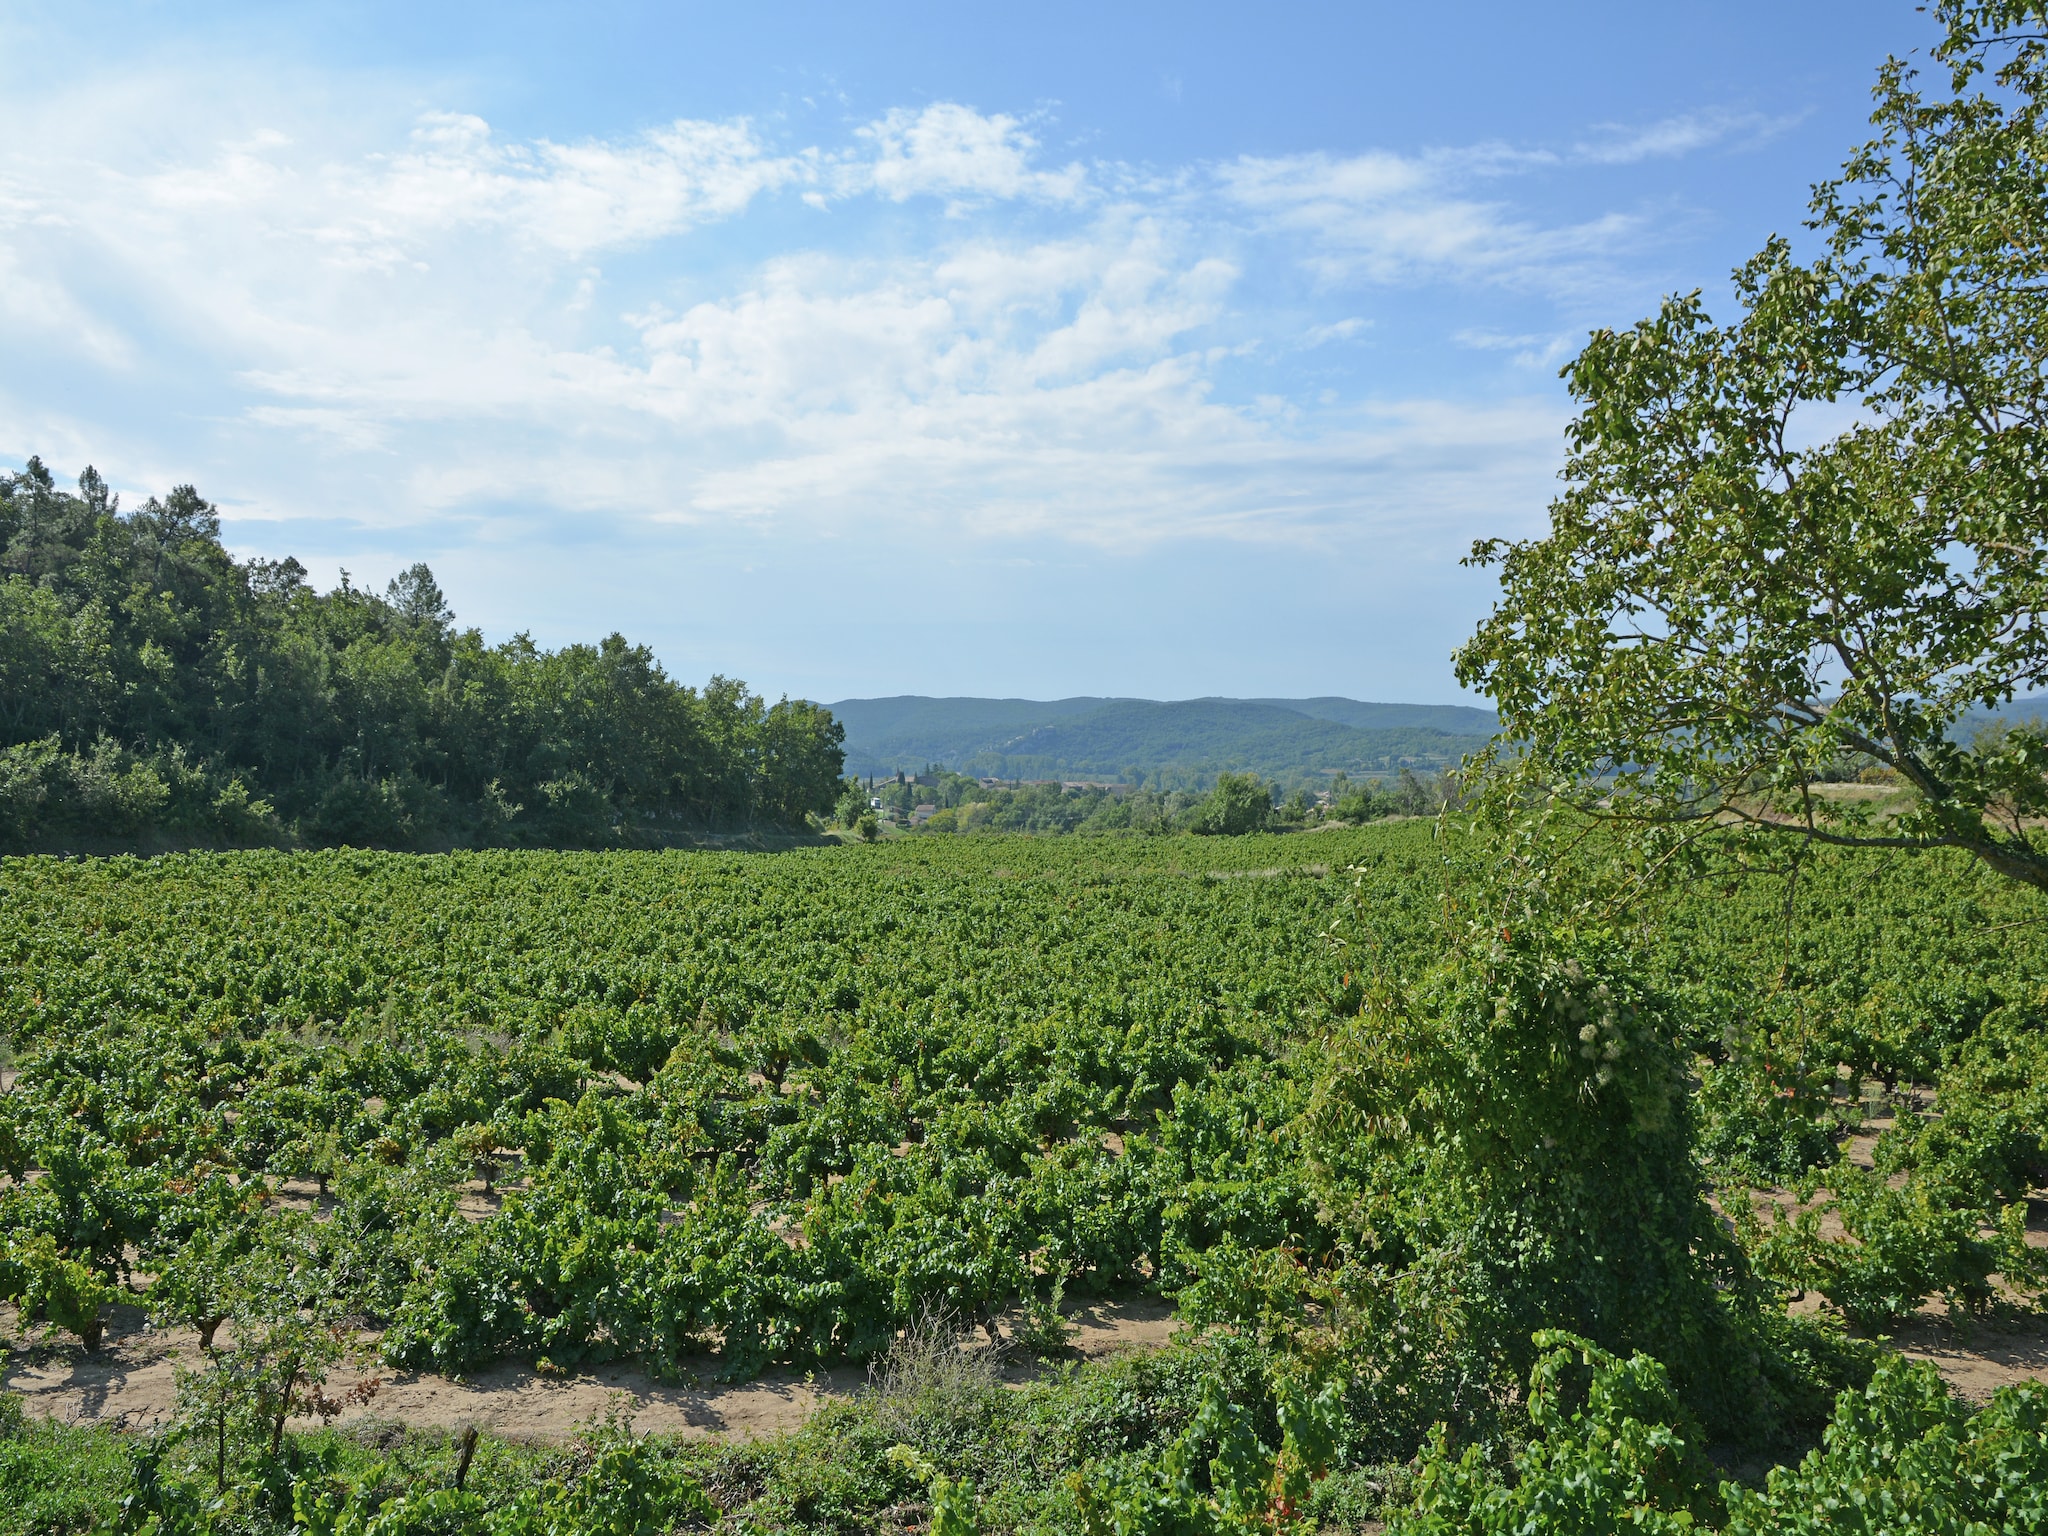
[(1239, 803), (151, 686), (1816, 534)]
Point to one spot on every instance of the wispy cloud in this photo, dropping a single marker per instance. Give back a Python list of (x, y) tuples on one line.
[(1388, 218), (455, 319), (951, 151), (1385, 218), (1537, 351), (1336, 330), (1687, 133), (576, 198), (455, 175)]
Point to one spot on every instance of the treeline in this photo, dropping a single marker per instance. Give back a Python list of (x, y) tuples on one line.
[(153, 689), (1238, 803)]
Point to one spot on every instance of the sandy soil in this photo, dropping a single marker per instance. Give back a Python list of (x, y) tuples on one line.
[(131, 1383), (1976, 1359)]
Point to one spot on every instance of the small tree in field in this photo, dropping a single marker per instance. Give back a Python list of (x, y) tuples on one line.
[(1240, 803), (1737, 590), (237, 1403), (268, 1346), (52, 1286), (1513, 1125)]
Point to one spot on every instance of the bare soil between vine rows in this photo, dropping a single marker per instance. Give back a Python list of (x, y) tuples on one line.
[(130, 1383)]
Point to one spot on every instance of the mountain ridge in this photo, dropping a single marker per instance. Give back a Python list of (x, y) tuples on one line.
[(1171, 743)]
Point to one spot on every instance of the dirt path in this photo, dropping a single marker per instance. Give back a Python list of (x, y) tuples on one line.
[(131, 1383)]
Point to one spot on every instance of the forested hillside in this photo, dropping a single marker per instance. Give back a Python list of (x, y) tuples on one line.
[(153, 689), (1182, 744)]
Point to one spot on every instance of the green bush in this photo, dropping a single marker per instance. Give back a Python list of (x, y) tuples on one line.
[(50, 1286), (1626, 1457), (1904, 1458), (1516, 1123), (1218, 1476), (1942, 1211), (627, 1488), (108, 793), (1762, 1125), (58, 1479), (1240, 803)]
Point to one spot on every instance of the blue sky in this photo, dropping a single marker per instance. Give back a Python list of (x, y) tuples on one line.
[(1030, 350)]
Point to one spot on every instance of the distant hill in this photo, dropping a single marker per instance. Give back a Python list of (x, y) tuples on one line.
[(2031, 709), (1182, 743), (1452, 719)]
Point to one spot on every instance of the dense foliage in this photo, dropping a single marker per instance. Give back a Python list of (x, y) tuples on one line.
[(1900, 1458), (712, 1111), (1235, 804), (771, 1107), (1515, 1126), (1190, 1441), (963, 804), (154, 689)]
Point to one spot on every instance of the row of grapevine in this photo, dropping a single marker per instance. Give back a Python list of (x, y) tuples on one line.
[(770, 1108)]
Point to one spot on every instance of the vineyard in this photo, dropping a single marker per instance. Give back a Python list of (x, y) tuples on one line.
[(774, 1107), (1624, 1108), (712, 1113)]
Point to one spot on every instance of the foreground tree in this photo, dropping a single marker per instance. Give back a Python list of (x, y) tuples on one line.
[(1817, 535)]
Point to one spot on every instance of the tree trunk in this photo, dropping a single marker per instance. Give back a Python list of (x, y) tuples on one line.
[(284, 1408)]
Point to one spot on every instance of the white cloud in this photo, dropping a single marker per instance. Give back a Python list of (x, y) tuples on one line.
[(950, 151), (575, 198), (42, 307), (456, 322), (1388, 218), (1530, 351), (1337, 330), (342, 428), (453, 177)]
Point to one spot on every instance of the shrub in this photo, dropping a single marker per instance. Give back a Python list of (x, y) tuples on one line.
[(1761, 1125), (1615, 1462), (1903, 1458), (1240, 803), (50, 1285), (1943, 1210), (1516, 1123), (60, 1479), (935, 1391)]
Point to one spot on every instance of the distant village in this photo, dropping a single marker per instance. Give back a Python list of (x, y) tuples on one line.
[(894, 796), (923, 811)]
